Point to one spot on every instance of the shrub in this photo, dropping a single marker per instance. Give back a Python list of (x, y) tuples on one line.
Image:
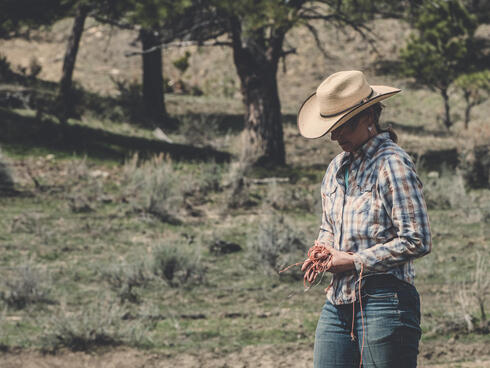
[(199, 130), (6, 73), (34, 67), (278, 196), (85, 189), (177, 264), (297, 198), (154, 187), (444, 191), (182, 63), (77, 170), (275, 244), (130, 100), (239, 193), (476, 166), (4, 335), (93, 326), (27, 286), (470, 299), (124, 279), (6, 181), (210, 177)]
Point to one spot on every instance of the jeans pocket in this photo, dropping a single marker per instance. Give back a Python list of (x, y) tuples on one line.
[(384, 295), (379, 292), (381, 300)]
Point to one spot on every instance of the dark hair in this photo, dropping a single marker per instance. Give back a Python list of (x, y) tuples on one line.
[(376, 111)]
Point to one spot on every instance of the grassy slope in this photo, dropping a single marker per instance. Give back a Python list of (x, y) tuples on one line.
[(239, 305)]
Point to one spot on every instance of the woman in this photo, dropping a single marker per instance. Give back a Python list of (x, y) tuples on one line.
[(374, 224)]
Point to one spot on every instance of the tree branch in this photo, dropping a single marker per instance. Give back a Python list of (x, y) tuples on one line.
[(287, 52), (122, 25), (318, 42), (177, 44), (361, 29)]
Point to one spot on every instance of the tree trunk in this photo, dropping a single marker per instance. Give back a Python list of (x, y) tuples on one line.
[(447, 117), (262, 139), (469, 106), (481, 302), (153, 97), (467, 110), (65, 93)]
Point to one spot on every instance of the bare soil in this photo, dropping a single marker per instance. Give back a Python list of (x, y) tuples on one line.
[(431, 355)]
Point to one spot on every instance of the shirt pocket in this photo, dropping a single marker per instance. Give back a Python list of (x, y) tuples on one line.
[(363, 199)]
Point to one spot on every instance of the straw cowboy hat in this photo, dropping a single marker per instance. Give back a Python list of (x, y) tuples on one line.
[(338, 98)]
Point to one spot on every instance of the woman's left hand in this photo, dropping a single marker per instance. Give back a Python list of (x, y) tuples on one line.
[(340, 261)]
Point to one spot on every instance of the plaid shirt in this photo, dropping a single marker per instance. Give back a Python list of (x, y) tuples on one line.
[(382, 218)]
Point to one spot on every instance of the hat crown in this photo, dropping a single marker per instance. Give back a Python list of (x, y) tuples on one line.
[(341, 91)]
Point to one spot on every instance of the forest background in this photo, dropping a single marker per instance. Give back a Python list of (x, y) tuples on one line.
[(153, 181)]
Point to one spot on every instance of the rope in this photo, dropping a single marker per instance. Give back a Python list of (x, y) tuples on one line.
[(352, 336), (318, 261), (362, 315)]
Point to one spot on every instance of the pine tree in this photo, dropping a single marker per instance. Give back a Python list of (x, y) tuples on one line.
[(443, 49), (476, 90)]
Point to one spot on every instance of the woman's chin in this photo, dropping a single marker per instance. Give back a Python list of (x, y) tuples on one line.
[(347, 147)]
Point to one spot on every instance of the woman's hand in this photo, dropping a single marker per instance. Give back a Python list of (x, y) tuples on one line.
[(340, 261)]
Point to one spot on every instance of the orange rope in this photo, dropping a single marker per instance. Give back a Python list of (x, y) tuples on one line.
[(318, 261), (362, 315), (353, 337)]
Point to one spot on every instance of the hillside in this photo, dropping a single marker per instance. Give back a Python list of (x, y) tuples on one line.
[(97, 210)]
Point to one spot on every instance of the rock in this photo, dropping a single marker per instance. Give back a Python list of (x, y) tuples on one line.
[(433, 175), (159, 134), (99, 173), (222, 247)]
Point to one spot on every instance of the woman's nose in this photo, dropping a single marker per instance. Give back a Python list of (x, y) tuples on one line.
[(335, 134)]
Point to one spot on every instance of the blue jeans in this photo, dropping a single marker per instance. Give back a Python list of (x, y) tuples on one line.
[(391, 310)]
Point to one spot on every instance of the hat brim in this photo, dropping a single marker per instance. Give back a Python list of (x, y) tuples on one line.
[(311, 125)]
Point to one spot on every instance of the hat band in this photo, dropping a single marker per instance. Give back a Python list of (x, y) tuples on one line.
[(364, 100)]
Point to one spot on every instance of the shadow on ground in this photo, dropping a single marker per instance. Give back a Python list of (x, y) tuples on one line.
[(23, 133)]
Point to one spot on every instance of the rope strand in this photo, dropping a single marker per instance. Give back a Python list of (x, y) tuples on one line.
[(318, 261), (362, 315)]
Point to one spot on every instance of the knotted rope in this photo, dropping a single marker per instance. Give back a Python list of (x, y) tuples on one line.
[(318, 261)]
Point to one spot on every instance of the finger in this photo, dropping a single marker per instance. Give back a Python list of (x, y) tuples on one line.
[(306, 264), (330, 264), (309, 274), (313, 278)]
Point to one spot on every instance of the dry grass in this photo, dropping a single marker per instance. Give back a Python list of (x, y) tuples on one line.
[(238, 312)]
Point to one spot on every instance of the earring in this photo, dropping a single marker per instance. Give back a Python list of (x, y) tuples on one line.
[(371, 132)]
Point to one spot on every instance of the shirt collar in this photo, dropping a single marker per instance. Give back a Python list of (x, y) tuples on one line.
[(369, 148)]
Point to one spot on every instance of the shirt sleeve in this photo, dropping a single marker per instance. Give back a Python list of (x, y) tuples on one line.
[(401, 193)]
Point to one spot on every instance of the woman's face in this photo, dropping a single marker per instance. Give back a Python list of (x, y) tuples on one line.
[(352, 134)]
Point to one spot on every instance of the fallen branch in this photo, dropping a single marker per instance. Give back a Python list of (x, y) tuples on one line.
[(266, 180)]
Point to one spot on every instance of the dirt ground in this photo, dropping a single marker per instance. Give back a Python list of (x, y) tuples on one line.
[(432, 355)]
